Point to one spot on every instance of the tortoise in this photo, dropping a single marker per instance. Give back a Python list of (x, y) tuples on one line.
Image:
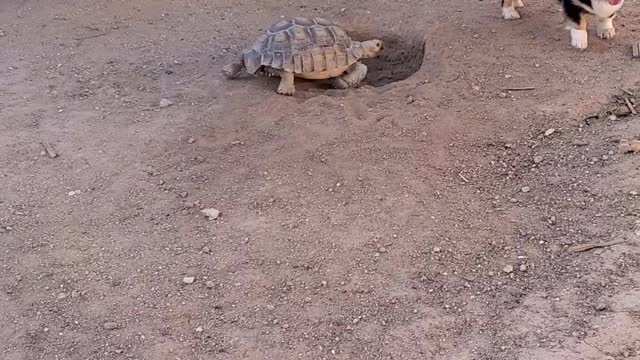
[(308, 48)]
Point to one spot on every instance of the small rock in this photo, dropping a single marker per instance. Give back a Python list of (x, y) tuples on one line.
[(184, 194), (549, 132), (537, 159), (633, 193), (502, 95), (199, 329), (382, 249), (525, 189), (206, 250), (73, 193), (165, 103), (508, 269), (75, 294), (621, 111), (436, 249), (62, 296), (191, 140), (410, 99), (632, 146), (601, 307), (211, 213), (188, 279), (209, 284), (523, 267), (613, 117), (110, 325)]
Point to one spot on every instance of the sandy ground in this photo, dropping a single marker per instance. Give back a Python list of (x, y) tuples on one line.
[(429, 214)]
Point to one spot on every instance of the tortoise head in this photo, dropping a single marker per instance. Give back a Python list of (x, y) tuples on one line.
[(372, 48)]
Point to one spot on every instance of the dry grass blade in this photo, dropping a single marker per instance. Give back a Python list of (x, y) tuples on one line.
[(589, 246)]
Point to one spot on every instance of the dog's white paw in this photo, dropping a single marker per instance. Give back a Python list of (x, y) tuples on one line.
[(510, 13), (518, 3), (606, 33), (605, 29), (579, 39)]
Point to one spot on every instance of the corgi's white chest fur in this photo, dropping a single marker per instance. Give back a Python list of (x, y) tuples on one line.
[(602, 8)]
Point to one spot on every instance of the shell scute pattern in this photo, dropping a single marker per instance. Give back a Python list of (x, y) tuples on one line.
[(302, 45)]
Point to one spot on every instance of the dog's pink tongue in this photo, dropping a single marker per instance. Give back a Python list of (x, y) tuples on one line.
[(614, 2)]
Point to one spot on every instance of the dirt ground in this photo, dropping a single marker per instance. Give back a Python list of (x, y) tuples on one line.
[(429, 214)]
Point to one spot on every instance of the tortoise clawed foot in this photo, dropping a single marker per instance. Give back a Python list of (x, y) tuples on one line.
[(340, 83), (286, 90)]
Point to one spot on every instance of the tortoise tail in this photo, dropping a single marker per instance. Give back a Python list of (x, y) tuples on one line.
[(231, 71)]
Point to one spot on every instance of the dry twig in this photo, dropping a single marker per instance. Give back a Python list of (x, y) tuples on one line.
[(589, 246), (50, 150)]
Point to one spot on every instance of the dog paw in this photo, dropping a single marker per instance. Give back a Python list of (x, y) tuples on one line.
[(606, 33), (579, 39), (510, 13)]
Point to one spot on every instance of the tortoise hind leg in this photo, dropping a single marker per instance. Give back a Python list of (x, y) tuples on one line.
[(353, 78), (286, 86)]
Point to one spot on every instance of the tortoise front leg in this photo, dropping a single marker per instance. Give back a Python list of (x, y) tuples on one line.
[(286, 86), (354, 76)]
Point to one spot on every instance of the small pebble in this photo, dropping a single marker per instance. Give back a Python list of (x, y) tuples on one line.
[(184, 194), (209, 284), (525, 189), (633, 193), (191, 140), (211, 213), (188, 279), (110, 325), (199, 329), (613, 117), (502, 95), (621, 111), (382, 249), (508, 269), (632, 146), (206, 250), (537, 159), (436, 249), (549, 132), (523, 267), (165, 103)]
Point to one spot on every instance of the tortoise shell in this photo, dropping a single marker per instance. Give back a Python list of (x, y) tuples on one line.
[(303, 45)]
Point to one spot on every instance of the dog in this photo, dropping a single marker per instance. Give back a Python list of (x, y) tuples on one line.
[(576, 12)]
